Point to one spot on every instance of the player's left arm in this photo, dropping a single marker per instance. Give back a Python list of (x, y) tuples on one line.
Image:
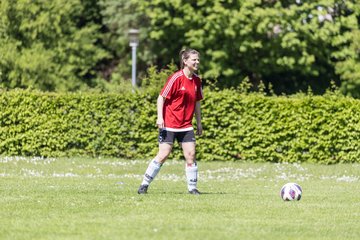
[(198, 118)]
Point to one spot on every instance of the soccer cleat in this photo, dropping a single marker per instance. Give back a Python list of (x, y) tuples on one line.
[(194, 192), (143, 189)]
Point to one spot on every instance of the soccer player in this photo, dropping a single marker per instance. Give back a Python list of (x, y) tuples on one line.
[(178, 101)]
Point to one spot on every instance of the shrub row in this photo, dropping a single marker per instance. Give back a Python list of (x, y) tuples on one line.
[(49, 124), (322, 129), (237, 126)]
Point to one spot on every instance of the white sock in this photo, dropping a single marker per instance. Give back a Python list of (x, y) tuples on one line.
[(191, 175), (151, 172)]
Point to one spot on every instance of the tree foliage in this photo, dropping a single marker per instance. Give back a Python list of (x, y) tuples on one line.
[(48, 45), (290, 44), (119, 16), (349, 67)]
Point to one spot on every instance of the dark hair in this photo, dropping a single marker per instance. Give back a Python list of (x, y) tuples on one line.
[(185, 54)]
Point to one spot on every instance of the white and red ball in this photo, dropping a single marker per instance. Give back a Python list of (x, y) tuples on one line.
[(291, 192)]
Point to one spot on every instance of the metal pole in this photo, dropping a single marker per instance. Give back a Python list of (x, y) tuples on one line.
[(133, 72)]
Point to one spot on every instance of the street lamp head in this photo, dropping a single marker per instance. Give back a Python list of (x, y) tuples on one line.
[(134, 37)]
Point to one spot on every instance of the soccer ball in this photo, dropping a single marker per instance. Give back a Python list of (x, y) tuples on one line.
[(291, 192)]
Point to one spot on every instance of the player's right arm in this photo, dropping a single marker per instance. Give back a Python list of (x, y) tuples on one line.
[(160, 107)]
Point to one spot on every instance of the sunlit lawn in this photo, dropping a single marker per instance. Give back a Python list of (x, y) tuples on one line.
[(86, 198)]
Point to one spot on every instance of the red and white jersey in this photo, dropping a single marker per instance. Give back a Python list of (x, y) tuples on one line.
[(181, 95)]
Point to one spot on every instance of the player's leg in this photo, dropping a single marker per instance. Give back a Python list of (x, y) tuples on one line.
[(165, 147), (191, 169)]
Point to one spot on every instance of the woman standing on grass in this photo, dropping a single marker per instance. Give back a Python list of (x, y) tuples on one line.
[(178, 101)]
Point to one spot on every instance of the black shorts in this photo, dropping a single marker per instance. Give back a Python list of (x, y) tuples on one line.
[(169, 137)]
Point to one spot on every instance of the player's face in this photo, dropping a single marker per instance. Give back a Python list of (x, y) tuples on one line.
[(193, 62)]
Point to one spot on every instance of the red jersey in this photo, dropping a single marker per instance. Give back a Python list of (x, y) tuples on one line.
[(181, 95)]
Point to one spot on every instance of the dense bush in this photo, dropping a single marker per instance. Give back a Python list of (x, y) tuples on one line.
[(45, 124), (237, 126), (303, 128)]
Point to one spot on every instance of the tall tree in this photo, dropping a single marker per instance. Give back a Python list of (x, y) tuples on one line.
[(292, 44), (48, 45)]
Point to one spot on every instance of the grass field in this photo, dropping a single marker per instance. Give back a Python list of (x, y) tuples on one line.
[(84, 198)]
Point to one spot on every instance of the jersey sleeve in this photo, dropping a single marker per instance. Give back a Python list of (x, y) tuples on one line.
[(169, 87)]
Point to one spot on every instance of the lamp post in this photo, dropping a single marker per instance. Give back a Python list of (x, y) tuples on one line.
[(134, 42)]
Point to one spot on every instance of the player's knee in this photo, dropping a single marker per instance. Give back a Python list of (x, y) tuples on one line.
[(190, 156), (161, 157)]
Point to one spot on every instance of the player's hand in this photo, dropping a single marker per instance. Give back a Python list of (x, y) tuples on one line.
[(199, 129), (160, 123)]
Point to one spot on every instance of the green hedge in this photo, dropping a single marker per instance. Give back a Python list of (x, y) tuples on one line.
[(237, 126), (49, 124), (323, 129)]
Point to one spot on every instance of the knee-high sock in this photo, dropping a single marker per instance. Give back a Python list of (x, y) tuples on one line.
[(151, 172), (191, 175)]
